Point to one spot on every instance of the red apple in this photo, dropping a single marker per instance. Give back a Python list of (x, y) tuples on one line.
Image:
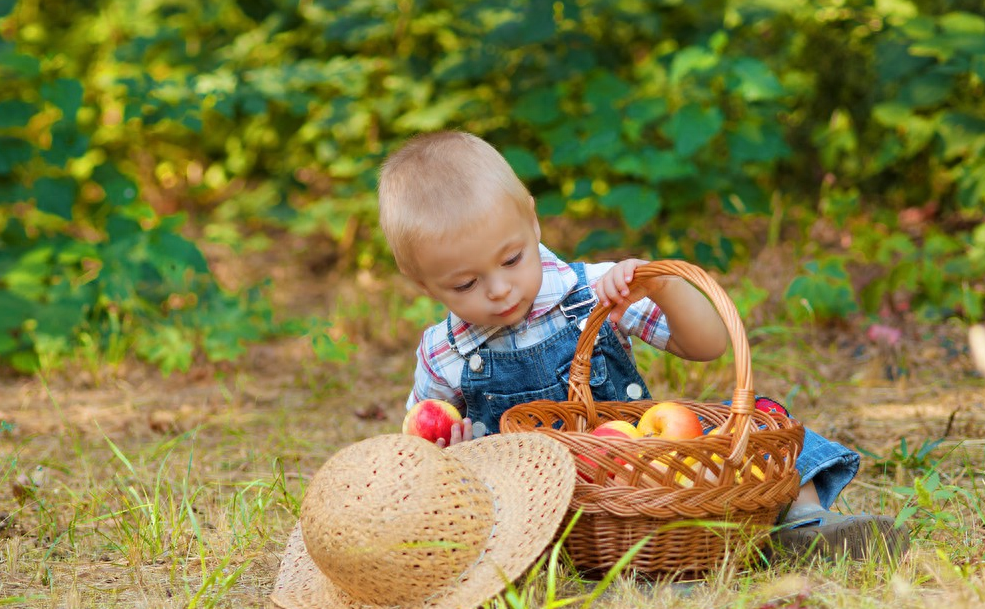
[(431, 419), (611, 429), (670, 421)]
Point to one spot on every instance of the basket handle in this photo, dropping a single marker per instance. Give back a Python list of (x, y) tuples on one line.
[(743, 397)]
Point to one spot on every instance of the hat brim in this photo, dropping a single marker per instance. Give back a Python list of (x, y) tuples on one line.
[(532, 478)]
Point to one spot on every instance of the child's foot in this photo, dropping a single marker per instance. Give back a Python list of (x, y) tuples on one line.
[(810, 530)]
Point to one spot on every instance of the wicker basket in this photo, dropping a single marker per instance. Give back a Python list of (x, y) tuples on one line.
[(702, 499)]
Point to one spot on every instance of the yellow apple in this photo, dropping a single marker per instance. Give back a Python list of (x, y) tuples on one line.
[(625, 427)]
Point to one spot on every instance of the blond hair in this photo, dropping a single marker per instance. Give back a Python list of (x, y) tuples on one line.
[(442, 182)]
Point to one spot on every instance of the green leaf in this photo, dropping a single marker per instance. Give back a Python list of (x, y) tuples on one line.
[(602, 143), (971, 185), (717, 253), (640, 114), (823, 292), (12, 62), (16, 113), (692, 127), (646, 111), (67, 142), (639, 204), (605, 89), (436, 114), (523, 162), (167, 347), (7, 7), (173, 255), (655, 166), (927, 90), (599, 239), (978, 66), (13, 152), (550, 204), (756, 142), (744, 196), (962, 22), (120, 228), (120, 190), (963, 134), (56, 196), (894, 63), (25, 362), (15, 310), (64, 93), (8, 344), (331, 350), (689, 60), (13, 193), (567, 147), (538, 107), (756, 82), (533, 26), (58, 319)]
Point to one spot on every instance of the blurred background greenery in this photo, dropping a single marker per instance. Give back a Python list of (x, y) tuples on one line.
[(135, 133)]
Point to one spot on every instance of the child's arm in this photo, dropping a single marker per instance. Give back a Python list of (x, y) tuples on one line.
[(697, 332)]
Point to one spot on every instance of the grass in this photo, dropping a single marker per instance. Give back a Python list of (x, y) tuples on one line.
[(131, 490)]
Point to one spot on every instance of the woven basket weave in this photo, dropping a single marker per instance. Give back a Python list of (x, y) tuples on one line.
[(733, 482)]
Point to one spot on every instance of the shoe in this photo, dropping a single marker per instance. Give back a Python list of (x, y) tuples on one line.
[(810, 530)]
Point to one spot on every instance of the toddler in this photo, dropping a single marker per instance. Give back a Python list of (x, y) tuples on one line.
[(464, 228)]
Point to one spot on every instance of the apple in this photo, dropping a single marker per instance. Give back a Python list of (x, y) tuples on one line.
[(625, 427), (431, 419), (611, 429), (670, 421)]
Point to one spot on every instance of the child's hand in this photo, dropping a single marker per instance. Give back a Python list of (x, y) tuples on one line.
[(613, 287), (460, 432)]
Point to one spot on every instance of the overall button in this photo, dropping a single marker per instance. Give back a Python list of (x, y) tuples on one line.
[(478, 429), (476, 363), (634, 391)]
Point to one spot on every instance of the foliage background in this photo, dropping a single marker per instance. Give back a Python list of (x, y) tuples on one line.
[(136, 134)]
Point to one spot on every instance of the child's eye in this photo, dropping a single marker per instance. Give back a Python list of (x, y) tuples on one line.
[(464, 287), (513, 261)]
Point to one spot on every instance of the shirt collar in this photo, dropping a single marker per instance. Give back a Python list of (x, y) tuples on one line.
[(558, 281)]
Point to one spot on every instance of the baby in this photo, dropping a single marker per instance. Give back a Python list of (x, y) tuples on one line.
[(464, 228)]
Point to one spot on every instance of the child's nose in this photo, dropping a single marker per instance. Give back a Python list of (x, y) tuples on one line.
[(499, 288)]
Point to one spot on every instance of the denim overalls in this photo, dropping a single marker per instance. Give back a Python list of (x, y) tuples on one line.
[(494, 381)]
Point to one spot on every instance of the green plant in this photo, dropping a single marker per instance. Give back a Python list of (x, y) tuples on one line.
[(640, 120), (902, 457), (823, 293), (936, 506)]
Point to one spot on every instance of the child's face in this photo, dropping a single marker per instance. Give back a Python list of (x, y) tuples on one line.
[(489, 276)]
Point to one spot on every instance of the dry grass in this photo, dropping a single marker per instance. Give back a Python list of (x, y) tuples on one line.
[(123, 489)]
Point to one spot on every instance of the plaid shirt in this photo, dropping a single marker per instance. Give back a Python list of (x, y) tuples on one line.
[(439, 364)]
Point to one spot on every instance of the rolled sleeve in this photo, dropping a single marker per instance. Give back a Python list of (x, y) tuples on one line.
[(645, 320)]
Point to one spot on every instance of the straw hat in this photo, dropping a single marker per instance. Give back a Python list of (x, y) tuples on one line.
[(395, 521)]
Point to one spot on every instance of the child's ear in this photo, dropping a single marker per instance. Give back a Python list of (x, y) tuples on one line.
[(409, 275), (533, 213), (423, 287)]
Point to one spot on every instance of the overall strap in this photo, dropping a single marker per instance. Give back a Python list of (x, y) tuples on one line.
[(582, 299)]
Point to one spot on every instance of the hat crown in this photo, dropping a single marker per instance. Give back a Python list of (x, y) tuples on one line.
[(393, 520)]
